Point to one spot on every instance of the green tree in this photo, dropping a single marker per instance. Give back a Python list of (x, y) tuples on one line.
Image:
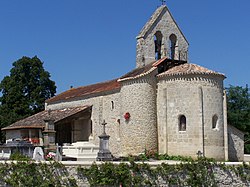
[(238, 108), (24, 90)]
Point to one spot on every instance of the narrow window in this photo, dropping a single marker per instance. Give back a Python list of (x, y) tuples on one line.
[(173, 41), (214, 121), (91, 127), (112, 105), (158, 43), (182, 123)]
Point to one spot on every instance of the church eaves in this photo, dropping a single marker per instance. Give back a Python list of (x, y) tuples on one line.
[(137, 73), (142, 71)]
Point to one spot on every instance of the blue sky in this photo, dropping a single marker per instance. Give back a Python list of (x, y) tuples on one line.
[(85, 41)]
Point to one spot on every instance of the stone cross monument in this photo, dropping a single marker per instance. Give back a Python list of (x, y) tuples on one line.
[(104, 154)]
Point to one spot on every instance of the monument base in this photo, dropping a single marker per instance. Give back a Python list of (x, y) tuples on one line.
[(104, 156)]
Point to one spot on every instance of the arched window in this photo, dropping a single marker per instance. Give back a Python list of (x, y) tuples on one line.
[(214, 121), (173, 42), (182, 123), (158, 43)]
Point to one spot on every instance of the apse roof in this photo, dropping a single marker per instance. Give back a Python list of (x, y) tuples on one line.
[(188, 68)]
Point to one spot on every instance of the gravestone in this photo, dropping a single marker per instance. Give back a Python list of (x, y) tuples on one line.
[(58, 156), (38, 154)]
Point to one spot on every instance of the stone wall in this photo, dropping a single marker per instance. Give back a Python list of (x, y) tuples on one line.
[(198, 98), (168, 173), (223, 177), (138, 97), (104, 107)]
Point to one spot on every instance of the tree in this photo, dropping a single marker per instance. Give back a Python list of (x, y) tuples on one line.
[(238, 109), (24, 90)]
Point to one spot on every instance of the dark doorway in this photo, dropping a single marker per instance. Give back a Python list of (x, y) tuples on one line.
[(63, 133)]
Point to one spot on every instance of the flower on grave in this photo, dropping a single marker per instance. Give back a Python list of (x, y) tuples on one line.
[(127, 116), (50, 156)]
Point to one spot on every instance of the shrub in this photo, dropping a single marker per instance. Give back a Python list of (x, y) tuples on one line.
[(19, 157)]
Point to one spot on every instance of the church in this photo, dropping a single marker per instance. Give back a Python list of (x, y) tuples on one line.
[(165, 104)]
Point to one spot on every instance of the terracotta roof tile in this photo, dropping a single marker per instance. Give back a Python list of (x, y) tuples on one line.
[(37, 120), (158, 62), (85, 90), (187, 68)]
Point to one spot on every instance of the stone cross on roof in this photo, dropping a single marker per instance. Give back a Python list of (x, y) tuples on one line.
[(104, 124), (163, 2)]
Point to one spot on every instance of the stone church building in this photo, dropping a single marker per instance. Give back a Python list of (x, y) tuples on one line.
[(165, 104)]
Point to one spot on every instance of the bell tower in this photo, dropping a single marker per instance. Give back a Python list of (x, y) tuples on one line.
[(160, 37)]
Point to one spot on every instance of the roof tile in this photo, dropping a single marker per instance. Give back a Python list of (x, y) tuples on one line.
[(85, 90)]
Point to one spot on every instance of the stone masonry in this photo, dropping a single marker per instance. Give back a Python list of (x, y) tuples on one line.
[(162, 21), (198, 98)]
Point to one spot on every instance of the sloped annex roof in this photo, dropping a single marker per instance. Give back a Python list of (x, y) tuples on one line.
[(153, 20), (187, 68), (37, 120)]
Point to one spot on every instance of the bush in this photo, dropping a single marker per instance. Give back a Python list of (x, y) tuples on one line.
[(201, 172), (156, 156), (19, 157), (35, 174)]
